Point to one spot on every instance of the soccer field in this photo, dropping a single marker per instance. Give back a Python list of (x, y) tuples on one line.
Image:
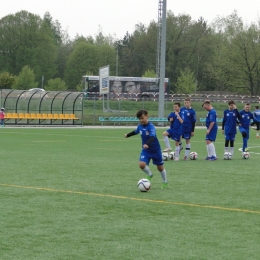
[(72, 194)]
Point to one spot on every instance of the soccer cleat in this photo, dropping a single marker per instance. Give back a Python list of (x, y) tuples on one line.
[(207, 158), (185, 158), (149, 177), (167, 150), (164, 185), (213, 158), (176, 159), (247, 150)]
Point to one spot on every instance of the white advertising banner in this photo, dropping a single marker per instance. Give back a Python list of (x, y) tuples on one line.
[(104, 80)]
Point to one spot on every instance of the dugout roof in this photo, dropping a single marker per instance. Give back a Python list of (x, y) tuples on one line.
[(39, 101)]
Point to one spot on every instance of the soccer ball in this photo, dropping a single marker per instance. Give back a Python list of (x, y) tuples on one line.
[(165, 156), (193, 156), (172, 155), (227, 156), (245, 155), (144, 185)]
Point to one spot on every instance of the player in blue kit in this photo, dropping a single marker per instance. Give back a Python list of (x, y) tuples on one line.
[(244, 123), (229, 126), (189, 120), (151, 149), (175, 130), (212, 130), (256, 120)]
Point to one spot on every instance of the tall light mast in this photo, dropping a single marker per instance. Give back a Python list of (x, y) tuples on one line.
[(161, 47)]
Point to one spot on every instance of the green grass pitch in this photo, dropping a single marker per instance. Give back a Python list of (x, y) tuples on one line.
[(72, 194)]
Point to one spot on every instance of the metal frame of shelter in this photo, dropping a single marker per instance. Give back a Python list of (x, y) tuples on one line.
[(43, 102)]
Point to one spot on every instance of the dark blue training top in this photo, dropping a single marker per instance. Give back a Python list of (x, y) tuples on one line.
[(212, 117), (189, 118), (230, 121), (257, 115), (176, 125), (245, 118), (146, 131)]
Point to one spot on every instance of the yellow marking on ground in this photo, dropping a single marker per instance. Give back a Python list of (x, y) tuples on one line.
[(59, 134), (107, 149), (112, 140), (131, 198), (48, 141)]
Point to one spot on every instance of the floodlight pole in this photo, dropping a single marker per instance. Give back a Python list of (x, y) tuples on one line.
[(161, 55), (117, 62)]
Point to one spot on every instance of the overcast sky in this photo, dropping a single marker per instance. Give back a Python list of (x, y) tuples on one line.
[(116, 17)]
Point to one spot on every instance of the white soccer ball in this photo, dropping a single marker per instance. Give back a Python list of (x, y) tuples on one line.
[(227, 156), (144, 185), (172, 155), (193, 156), (165, 156), (245, 155)]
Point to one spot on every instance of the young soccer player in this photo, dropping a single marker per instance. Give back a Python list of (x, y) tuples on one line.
[(244, 123), (256, 120), (151, 149), (2, 117), (229, 126), (189, 120), (212, 130), (175, 130)]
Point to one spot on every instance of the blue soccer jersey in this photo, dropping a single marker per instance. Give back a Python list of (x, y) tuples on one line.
[(189, 118), (245, 118), (212, 117), (176, 125), (257, 115), (147, 131), (230, 121)]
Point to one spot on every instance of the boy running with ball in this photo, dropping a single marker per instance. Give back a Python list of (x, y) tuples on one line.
[(151, 149)]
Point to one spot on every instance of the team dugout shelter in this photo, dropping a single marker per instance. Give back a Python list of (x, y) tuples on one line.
[(40, 107)]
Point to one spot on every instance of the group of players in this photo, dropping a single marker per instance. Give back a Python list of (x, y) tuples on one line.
[(182, 125)]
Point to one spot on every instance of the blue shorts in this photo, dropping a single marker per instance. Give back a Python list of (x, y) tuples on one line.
[(186, 134), (212, 135), (156, 157), (174, 135), (230, 137), (242, 129)]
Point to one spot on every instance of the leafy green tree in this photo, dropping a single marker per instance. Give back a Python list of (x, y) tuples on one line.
[(88, 57), (25, 79), (188, 44), (219, 68), (27, 40), (137, 52), (80, 87), (56, 84), (246, 60), (63, 53), (149, 74), (186, 82), (101, 39), (7, 80), (82, 58), (238, 58), (55, 27), (62, 41)]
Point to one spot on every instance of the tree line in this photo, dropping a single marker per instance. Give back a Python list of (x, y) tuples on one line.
[(221, 56)]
